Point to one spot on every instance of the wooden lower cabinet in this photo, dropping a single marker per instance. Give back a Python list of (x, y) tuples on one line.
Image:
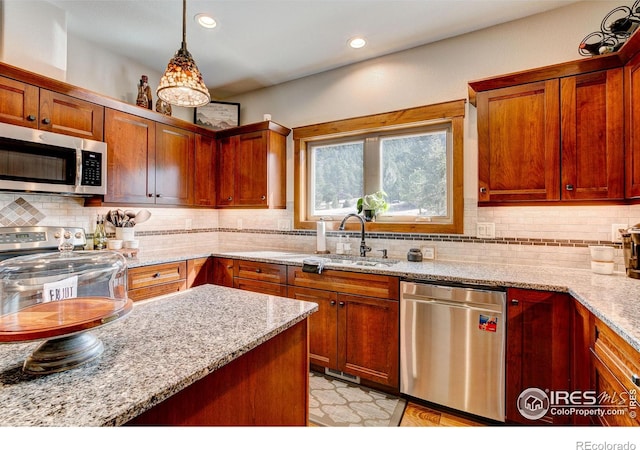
[(199, 271), (352, 333), (222, 271), (616, 378), (157, 279), (268, 386), (538, 349), (265, 278)]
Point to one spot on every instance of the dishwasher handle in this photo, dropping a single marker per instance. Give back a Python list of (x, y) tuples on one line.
[(453, 304)]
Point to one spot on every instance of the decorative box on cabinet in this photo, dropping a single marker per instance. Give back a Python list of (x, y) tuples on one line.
[(30, 106), (252, 166), (356, 327)]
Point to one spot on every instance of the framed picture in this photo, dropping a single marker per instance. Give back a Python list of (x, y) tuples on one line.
[(218, 115)]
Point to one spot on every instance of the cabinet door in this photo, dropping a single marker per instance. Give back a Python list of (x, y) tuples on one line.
[(251, 170), (323, 325), (198, 272), (18, 103), (174, 166), (226, 179), (368, 338), (632, 126), (539, 332), (519, 142), (131, 152), (60, 113), (222, 271), (592, 138), (205, 171)]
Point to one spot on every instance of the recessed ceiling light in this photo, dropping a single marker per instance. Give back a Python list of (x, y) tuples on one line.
[(357, 42), (205, 20)]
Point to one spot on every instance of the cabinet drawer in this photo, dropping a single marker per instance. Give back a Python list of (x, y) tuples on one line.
[(616, 394), (252, 270), (140, 277), (618, 356), (156, 290), (261, 287), (380, 286)]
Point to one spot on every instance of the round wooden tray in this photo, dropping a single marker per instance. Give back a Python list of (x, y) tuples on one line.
[(60, 318)]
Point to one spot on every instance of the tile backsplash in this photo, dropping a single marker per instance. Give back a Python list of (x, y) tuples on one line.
[(551, 236)]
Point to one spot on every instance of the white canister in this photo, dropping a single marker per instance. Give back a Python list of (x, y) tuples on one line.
[(125, 233)]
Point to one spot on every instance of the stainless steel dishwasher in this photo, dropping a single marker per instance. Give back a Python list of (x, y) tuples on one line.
[(452, 344)]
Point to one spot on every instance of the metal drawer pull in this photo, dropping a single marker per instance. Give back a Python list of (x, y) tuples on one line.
[(258, 270), (46, 121), (569, 187), (341, 304), (636, 379), (31, 117), (332, 303), (515, 301), (156, 275)]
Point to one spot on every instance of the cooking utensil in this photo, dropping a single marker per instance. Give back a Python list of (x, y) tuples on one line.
[(142, 216)]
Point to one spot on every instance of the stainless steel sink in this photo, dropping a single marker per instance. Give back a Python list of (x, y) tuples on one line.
[(346, 260)]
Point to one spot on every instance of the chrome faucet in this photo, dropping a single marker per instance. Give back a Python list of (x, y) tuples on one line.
[(364, 248)]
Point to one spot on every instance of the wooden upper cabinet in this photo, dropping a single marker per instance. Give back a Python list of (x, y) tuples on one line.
[(632, 126), (592, 136), (555, 140), (147, 162), (175, 150), (27, 105), (131, 149), (252, 166), (205, 171), (518, 143)]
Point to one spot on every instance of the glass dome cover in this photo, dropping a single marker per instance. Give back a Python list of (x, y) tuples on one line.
[(59, 296)]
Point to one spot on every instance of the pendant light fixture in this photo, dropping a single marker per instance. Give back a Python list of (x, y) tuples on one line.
[(182, 84)]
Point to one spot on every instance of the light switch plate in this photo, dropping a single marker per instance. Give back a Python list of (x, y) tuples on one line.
[(615, 234)]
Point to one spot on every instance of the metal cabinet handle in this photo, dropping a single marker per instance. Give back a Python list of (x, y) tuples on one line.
[(264, 197), (341, 304), (229, 267), (483, 190), (31, 118), (158, 195), (156, 275), (149, 195), (569, 187), (229, 198), (258, 271), (332, 303), (635, 379), (515, 301), (46, 121)]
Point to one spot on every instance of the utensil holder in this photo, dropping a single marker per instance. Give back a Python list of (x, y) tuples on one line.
[(125, 234)]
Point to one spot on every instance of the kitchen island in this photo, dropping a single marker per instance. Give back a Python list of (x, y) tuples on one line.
[(206, 356)]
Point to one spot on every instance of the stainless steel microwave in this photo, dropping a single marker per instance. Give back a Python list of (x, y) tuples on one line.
[(40, 161)]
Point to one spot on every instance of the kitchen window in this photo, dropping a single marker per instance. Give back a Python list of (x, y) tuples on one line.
[(414, 155)]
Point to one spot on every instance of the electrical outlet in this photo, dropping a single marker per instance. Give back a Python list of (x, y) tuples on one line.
[(615, 234), (486, 230), (283, 225), (428, 252)]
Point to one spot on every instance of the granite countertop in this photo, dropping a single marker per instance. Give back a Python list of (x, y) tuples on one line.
[(615, 299), (161, 347)]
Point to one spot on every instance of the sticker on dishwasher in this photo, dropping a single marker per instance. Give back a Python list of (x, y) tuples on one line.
[(488, 323)]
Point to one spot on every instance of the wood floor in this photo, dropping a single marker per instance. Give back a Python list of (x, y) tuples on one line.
[(421, 416)]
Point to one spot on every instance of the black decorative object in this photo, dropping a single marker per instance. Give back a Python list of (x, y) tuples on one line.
[(615, 29)]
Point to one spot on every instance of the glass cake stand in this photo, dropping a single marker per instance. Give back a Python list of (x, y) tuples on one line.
[(60, 298)]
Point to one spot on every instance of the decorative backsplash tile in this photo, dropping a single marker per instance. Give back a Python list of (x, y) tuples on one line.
[(20, 213)]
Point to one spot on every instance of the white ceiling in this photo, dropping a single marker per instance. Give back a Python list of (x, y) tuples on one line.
[(260, 43)]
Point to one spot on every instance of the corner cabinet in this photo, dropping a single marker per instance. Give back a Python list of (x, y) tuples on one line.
[(30, 106), (251, 166), (148, 162), (559, 139)]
